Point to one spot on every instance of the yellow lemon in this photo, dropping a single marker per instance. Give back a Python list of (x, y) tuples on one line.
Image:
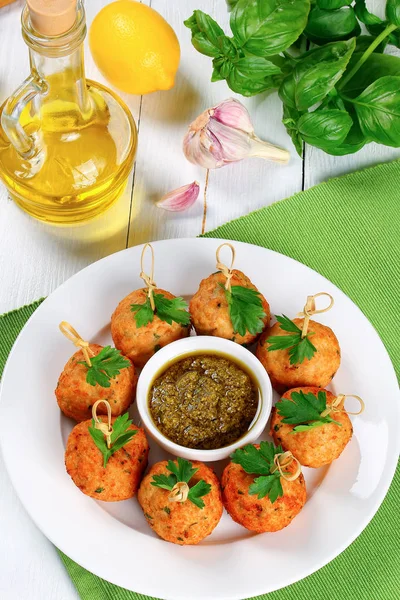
[(134, 47)]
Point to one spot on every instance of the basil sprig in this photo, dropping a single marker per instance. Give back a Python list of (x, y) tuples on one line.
[(339, 90)]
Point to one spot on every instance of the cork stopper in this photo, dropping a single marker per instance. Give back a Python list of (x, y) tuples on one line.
[(52, 17)]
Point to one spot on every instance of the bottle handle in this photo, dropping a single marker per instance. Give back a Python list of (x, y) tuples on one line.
[(10, 118)]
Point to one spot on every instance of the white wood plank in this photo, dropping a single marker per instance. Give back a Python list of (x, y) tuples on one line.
[(36, 258), (233, 190)]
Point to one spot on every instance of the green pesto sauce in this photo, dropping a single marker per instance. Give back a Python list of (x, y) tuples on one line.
[(203, 401)]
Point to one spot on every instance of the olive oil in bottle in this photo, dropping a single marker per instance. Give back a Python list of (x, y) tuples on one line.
[(67, 145)]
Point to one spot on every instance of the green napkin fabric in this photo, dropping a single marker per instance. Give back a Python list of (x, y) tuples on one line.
[(348, 229)]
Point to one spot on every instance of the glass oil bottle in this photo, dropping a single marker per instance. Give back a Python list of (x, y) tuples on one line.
[(67, 144)]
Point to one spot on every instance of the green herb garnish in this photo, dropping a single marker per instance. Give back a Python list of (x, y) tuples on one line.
[(167, 310), (338, 95), (245, 309), (183, 471), (260, 461), (120, 436), (299, 348), (106, 365), (304, 410)]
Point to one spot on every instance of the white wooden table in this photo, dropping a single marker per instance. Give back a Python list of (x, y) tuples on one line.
[(36, 258)]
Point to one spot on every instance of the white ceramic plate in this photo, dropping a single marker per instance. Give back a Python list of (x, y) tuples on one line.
[(113, 540)]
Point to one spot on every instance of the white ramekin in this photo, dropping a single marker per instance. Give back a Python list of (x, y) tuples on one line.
[(206, 344)]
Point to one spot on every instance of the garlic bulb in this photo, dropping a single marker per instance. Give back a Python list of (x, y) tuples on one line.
[(181, 198), (224, 134)]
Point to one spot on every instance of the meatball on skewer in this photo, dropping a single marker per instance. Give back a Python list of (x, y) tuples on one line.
[(263, 488), (107, 457), (94, 373), (228, 305), (148, 319), (300, 351), (181, 500), (313, 425)]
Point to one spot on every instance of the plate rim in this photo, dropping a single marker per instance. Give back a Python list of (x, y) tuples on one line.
[(388, 473)]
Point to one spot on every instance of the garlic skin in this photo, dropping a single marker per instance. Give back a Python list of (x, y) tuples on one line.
[(180, 199), (224, 134)]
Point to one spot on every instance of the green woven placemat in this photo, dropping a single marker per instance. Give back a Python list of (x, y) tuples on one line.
[(348, 229)]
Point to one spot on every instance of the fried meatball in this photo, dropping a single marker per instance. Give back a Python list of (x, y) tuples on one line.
[(210, 312), (120, 479), (316, 447), (140, 343), (260, 515), (76, 397), (181, 522), (318, 371)]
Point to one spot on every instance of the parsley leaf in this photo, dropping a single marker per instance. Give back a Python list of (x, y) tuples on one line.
[(106, 365), (166, 482), (143, 313), (245, 309), (168, 310), (182, 471), (120, 436), (171, 310), (260, 461), (287, 324), (269, 485), (252, 460), (299, 348), (201, 488), (304, 410)]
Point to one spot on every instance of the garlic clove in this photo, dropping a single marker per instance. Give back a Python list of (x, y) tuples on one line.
[(234, 143), (180, 199), (231, 112)]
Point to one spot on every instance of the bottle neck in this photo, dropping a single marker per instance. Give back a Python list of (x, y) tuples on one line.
[(63, 80), (57, 66)]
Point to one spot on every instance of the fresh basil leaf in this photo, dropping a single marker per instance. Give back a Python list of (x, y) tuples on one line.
[(290, 118), (266, 27), (393, 11), (363, 42), (378, 110), (207, 36), (333, 4), (231, 4), (394, 37), (316, 74), (354, 141), (375, 67), (331, 25), (216, 73), (252, 75), (364, 15), (325, 129), (374, 24)]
